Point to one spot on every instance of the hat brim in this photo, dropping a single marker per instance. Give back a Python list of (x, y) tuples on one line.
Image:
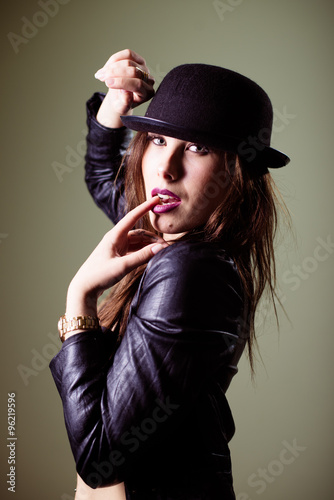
[(254, 153)]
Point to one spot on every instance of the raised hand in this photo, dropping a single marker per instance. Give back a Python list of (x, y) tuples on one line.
[(120, 251), (127, 78)]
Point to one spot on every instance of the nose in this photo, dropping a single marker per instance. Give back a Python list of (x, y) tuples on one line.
[(170, 165), (165, 173)]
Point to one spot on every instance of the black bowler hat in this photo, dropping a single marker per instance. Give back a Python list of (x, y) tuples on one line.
[(215, 107)]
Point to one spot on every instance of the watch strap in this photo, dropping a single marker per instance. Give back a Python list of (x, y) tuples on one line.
[(66, 324)]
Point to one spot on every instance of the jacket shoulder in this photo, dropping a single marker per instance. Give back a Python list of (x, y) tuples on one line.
[(197, 263), (195, 284)]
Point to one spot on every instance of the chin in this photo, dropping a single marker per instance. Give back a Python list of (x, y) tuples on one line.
[(167, 228)]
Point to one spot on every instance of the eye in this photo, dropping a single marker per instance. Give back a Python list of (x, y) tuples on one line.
[(158, 140), (197, 148)]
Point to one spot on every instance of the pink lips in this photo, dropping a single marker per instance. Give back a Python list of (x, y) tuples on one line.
[(168, 201)]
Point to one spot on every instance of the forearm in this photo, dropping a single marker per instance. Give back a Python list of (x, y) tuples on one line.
[(104, 143), (107, 138), (105, 150), (79, 371)]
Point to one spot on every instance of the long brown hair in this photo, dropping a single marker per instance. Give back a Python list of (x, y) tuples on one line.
[(244, 223)]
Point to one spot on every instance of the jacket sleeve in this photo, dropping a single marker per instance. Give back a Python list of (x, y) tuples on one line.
[(105, 149), (183, 326)]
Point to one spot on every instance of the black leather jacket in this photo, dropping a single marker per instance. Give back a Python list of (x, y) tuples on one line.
[(155, 414)]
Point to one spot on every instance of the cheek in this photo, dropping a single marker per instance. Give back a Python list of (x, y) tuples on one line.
[(147, 170), (211, 192), (144, 174)]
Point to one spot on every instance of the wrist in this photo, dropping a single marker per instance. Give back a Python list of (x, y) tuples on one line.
[(108, 116), (79, 303)]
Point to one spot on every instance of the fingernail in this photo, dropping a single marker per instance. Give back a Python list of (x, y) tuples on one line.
[(156, 248), (109, 81), (99, 74)]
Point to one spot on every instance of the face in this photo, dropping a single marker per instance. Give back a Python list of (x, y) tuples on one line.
[(187, 178)]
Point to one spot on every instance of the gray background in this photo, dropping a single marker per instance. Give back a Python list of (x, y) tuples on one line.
[(49, 224)]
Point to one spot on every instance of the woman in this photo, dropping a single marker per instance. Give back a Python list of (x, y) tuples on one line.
[(144, 396)]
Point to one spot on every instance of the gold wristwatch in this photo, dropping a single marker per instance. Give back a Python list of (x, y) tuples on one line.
[(66, 324)]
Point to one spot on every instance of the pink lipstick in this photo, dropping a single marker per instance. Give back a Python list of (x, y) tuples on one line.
[(168, 200)]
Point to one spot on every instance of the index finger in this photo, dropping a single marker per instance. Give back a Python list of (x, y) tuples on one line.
[(126, 54), (130, 219)]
